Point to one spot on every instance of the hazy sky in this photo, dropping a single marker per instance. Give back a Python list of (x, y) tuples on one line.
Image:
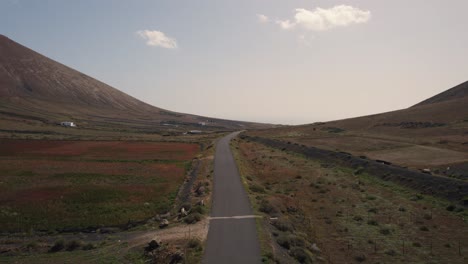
[(279, 61)]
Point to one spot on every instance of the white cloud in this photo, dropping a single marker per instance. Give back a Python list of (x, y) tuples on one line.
[(285, 24), (157, 39), (262, 18), (321, 19)]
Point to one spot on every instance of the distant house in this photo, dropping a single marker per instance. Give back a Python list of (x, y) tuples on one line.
[(195, 132), (68, 124)]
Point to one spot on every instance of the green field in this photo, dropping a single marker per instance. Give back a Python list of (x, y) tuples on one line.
[(67, 186)]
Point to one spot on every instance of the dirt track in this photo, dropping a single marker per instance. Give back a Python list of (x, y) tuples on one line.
[(198, 230)]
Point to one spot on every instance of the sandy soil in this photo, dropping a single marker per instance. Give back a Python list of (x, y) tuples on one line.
[(180, 232)]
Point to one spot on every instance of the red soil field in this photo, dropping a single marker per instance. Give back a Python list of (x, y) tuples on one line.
[(37, 167), (98, 149), (57, 185)]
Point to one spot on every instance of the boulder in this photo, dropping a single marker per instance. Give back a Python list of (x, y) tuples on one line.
[(183, 212), (315, 248), (164, 223), (152, 245), (200, 190)]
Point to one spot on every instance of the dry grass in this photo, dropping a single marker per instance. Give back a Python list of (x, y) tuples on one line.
[(348, 216), (425, 136)]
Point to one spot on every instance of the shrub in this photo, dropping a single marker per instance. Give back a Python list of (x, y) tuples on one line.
[(152, 245), (195, 243), (359, 171), (450, 208), (314, 185), (427, 216), (423, 228), (72, 245), (289, 241), (89, 246), (372, 222), (267, 257), (193, 218), (199, 209), (416, 244), (357, 218), (32, 245), (334, 129), (385, 231), (360, 258), (284, 242), (267, 208), (301, 255), (283, 225), (58, 245), (257, 188)]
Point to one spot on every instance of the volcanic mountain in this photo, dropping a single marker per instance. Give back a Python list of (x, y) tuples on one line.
[(459, 92), (446, 108), (38, 91), (431, 134)]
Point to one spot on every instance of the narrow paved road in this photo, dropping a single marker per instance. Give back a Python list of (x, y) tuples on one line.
[(232, 237)]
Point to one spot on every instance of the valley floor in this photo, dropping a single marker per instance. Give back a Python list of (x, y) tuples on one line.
[(103, 201)]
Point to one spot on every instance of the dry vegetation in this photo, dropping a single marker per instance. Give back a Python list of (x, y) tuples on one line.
[(417, 148), (339, 215), (60, 185), (94, 188), (427, 136)]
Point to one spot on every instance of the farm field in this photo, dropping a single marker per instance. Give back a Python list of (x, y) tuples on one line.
[(77, 185), (444, 147), (320, 211)]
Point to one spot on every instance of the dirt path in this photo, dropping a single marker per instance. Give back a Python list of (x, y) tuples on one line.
[(180, 232)]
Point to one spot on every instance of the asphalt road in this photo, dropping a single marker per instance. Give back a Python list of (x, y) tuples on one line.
[(232, 236)]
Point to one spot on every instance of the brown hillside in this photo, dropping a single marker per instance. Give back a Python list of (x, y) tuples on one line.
[(455, 93), (432, 134), (27, 74)]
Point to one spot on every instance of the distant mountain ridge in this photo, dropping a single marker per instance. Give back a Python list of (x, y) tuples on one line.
[(454, 93)]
